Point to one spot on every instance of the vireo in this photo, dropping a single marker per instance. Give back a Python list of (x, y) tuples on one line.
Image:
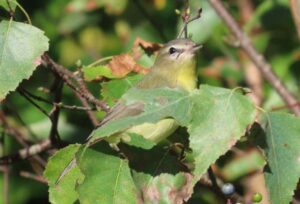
[(174, 67)]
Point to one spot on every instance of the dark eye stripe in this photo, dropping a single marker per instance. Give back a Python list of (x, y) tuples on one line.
[(172, 50)]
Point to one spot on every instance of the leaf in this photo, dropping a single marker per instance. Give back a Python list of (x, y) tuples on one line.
[(123, 64), (114, 89), (138, 141), (62, 177), (214, 117), (21, 46), (4, 4), (219, 118), (283, 155), (107, 179), (165, 188), (148, 47), (158, 104), (97, 73)]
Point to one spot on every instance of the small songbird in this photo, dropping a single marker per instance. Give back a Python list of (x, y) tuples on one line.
[(174, 67)]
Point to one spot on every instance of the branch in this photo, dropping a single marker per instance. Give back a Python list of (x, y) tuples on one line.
[(186, 20), (32, 176), (256, 58), (260, 62), (84, 102), (67, 77), (54, 114), (19, 137), (60, 105), (26, 152)]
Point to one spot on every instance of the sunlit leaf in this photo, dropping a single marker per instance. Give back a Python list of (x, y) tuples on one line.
[(21, 47), (97, 73), (107, 179), (157, 103), (114, 89), (63, 175), (281, 147), (219, 118), (216, 118), (8, 4)]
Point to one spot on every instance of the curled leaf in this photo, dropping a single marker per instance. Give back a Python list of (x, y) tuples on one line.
[(148, 47), (123, 64)]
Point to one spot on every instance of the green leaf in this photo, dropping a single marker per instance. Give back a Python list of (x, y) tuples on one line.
[(62, 175), (283, 155), (138, 141), (94, 73), (205, 109), (165, 188), (21, 46), (158, 104), (12, 5), (219, 118), (114, 89), (107, 179)]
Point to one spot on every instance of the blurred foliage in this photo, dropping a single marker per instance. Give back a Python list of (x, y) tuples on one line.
[(89, 30)]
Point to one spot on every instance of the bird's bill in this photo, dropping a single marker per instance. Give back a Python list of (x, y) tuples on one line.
[(197, 47)]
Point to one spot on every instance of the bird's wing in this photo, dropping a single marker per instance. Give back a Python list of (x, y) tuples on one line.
[(121, 110)]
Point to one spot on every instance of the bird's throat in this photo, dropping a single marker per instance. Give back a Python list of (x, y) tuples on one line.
[(187, 78)]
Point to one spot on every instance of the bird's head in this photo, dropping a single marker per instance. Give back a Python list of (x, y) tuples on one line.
[(177, 54)]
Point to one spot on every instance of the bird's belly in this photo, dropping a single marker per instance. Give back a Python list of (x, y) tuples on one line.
[(155, 132)]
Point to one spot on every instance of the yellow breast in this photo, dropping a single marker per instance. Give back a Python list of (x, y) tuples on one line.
[(187, 78)]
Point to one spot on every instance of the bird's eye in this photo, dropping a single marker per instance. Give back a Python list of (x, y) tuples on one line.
[(172, 50)]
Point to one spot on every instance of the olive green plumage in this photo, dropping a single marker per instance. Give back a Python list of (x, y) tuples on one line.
[(174, 67)]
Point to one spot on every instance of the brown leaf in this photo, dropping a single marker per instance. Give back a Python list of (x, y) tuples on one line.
[(123, 64), (149, 47)]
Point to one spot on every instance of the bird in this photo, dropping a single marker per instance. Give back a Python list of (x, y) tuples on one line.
[(174, 67)]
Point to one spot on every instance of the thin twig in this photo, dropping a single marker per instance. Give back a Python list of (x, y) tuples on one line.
[(67, 77), (214, 183), (256, 58), (285, 107), (34, 177), (60, 105), (90, 114), (54, 135), (186, 20), (19, 137), (54, 114), (14, 111), (84, 102), (11, 11), (26, 152), (35, 104)]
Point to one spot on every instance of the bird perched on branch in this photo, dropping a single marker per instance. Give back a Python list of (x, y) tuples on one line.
[(174, 67)]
